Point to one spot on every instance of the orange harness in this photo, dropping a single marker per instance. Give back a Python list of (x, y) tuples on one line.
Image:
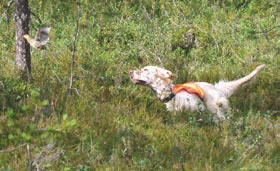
[(191, 88)]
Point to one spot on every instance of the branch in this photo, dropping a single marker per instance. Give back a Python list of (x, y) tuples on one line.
[(5, 13), (29, 157), (45, 129), (12, 149), (38, 18), (268, 30), (74, 47)]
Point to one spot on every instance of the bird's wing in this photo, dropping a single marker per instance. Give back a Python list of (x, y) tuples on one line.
[(43, 35)]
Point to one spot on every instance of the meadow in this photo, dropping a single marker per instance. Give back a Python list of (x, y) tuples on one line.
[(91, 117)]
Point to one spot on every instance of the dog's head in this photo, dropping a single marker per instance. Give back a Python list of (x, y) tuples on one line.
[(152, 76)]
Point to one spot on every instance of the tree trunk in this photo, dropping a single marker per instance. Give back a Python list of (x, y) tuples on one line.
[(23, 56)]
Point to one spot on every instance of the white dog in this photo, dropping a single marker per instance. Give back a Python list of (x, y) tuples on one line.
[(190, 96)]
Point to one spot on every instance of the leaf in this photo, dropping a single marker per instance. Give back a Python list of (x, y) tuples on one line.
[(10, 113), (26, 136), (64, 117), (35, 92), (45, 102), (25, 108)]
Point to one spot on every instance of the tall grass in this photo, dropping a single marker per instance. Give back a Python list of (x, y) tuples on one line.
[(106, 122)]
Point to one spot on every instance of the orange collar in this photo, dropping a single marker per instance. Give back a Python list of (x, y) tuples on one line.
[(191, 88)]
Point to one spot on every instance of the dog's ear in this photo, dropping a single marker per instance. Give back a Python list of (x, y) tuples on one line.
[(172, 76), (166, 79), (165, 75)]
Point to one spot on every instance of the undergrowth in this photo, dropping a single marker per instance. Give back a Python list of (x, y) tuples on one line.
[(105, 122)]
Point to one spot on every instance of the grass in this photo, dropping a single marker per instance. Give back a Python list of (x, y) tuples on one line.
[(106, 122)]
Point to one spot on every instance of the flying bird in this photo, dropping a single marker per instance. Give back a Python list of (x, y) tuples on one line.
[(41, 38)]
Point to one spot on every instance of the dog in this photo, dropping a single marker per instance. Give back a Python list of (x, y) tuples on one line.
[(191, 96)]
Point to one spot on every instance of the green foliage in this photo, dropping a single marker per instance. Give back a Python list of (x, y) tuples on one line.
[(105, 122)]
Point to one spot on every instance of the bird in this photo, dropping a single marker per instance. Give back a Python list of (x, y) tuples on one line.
[(41, 38)]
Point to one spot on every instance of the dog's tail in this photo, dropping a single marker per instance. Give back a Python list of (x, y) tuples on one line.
[(229, 87)]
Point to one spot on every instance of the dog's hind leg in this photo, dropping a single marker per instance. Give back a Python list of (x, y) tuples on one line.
[(222, 107), (218, 106)]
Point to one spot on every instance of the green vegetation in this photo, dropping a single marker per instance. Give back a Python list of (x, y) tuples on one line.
[(105, 122)]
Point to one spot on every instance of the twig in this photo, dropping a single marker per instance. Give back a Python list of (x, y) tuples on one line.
[(11, 150), (45, 129), (74, 47), (29, 157), (268, 30), (9, 4), (5, 14), (36, 16), (57, 77)]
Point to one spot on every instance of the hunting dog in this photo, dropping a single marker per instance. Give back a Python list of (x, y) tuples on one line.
[(191, 96)]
